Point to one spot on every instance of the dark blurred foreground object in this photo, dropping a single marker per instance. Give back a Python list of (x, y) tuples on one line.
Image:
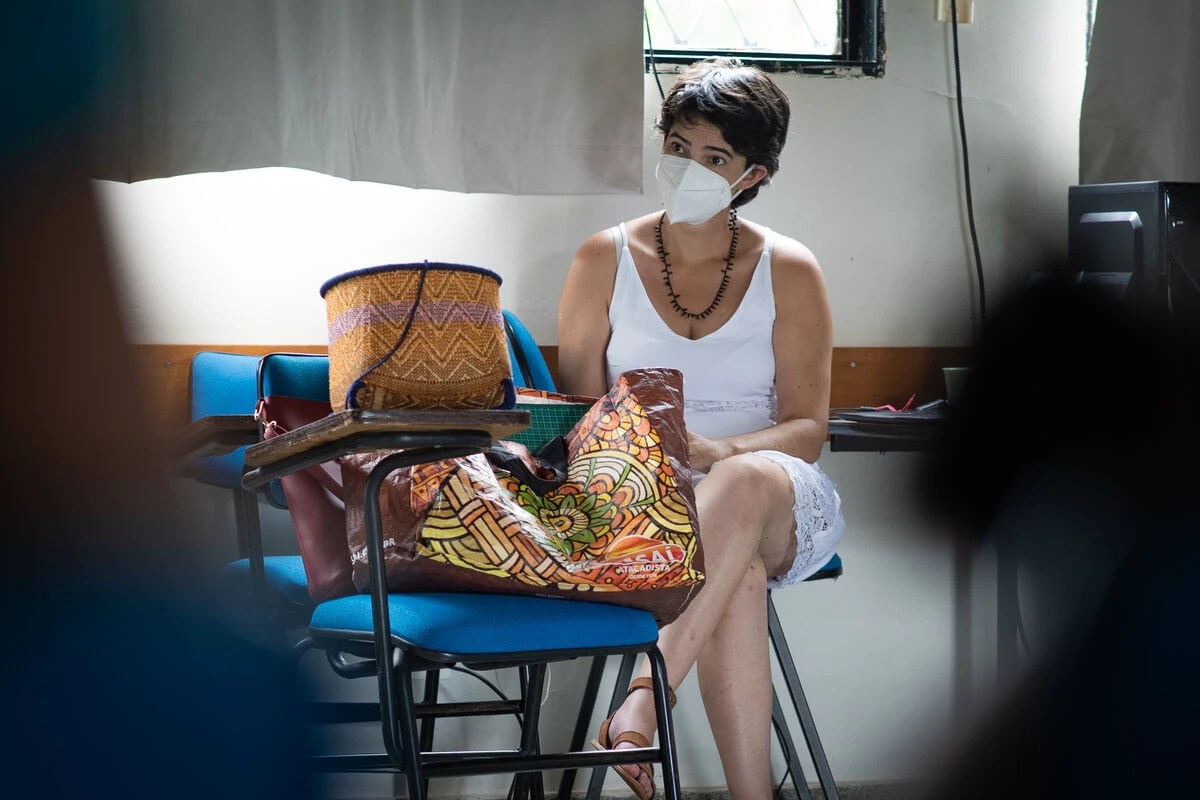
[(1113, 715), (1070, 374), (126, 689), (122, 681), (1079, 423)]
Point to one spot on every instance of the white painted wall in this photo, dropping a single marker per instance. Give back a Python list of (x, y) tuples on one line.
[(870, 181)]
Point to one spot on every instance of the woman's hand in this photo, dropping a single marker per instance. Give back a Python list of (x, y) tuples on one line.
[(703, 453)]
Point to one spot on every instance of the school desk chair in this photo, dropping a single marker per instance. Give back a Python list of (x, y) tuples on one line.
[(392, 636)]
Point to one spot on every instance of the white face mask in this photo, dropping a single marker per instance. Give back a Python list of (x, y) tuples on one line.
[(690, 191)]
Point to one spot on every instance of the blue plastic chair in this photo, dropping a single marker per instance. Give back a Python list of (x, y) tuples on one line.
[(222, 384), (428, 632), (227, 384), (528, 366)]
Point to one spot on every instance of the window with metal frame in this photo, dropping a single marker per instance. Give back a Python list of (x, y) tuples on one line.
[(823, 37)]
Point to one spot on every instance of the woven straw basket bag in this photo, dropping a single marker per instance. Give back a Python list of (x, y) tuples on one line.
[(422, 335)]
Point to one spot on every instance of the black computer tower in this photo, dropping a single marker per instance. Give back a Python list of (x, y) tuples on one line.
[(1144, 236)]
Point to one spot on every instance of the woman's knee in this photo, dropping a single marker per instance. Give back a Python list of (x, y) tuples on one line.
[(750, 477), (751, 496)]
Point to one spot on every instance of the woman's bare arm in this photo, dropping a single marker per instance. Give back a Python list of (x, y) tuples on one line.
[(583, 328), (803, 342)]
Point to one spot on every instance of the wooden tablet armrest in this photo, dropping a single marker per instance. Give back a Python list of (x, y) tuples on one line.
[(363, 430)]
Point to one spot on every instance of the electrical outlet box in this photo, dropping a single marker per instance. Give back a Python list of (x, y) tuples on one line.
[(966, 11)]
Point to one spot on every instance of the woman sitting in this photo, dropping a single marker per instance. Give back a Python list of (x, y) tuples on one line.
[(742, 312)]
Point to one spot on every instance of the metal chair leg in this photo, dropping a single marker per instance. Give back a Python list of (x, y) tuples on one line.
[(799, 783), (404, 718), (249, 530), (430, 696), (792, 680), (624, 676), (666, 725), (587, 705), (531, 719), (782, 730), (532, 677), (533, 682)]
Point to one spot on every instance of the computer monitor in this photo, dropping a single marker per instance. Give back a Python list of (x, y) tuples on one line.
[(1143, 236)]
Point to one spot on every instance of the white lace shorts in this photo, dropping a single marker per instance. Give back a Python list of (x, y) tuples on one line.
[(819, 521), (818, 511)]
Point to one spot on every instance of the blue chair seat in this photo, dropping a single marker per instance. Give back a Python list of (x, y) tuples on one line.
[(284, 576), (485, 624), (832, 569)]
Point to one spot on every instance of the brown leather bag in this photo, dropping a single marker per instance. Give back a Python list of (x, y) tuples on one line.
[(315, 501)]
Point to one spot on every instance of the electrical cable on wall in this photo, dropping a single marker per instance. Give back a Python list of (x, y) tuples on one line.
[(962, 129)]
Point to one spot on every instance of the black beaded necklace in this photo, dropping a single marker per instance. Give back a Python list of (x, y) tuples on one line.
[(666, 268)]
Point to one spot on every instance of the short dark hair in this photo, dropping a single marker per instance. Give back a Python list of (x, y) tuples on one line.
[(749, 109)]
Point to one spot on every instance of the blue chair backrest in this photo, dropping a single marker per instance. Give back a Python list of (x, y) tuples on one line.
[(221, 383), (303, 375), (528, 366), (225, 383)]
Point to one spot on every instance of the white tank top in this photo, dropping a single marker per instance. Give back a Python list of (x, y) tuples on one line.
[(728, 375)]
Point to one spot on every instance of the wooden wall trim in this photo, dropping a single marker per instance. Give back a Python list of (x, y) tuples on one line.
[(873, 376), (164, 370), (862, 376)]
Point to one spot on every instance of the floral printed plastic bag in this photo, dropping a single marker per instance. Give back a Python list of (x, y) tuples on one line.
[(604, 513)]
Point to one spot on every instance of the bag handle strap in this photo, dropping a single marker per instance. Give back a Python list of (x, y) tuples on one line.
[(323, 473), (542, 472), (360, 382)]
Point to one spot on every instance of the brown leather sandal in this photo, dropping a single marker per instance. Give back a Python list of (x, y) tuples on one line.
[(601, 742)]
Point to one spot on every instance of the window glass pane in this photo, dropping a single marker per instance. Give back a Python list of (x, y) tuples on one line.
[(808, 27)]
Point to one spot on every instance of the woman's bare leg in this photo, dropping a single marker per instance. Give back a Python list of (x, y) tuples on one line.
[(744, 508), (734, 673)]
